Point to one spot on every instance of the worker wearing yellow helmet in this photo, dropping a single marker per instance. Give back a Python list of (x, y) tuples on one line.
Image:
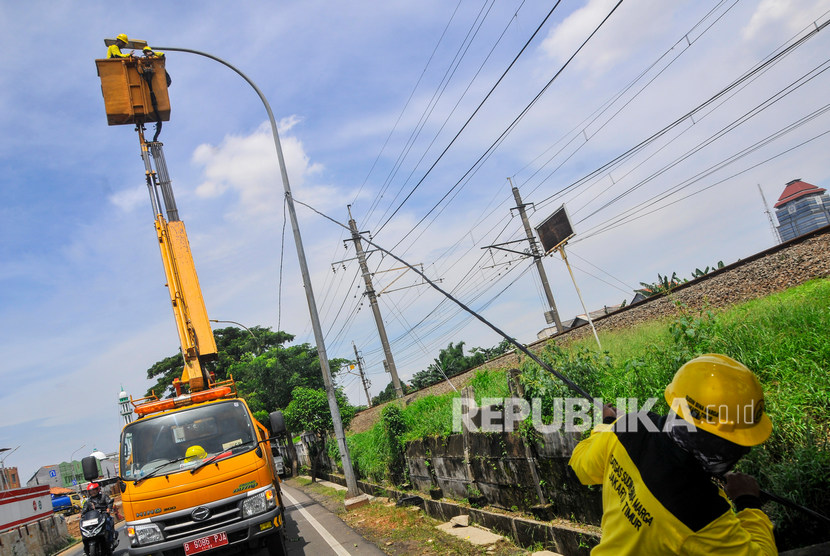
[(150, 53), (658, 496), (114, 51)]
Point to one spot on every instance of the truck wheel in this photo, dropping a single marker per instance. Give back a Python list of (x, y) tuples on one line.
[(276, 544)]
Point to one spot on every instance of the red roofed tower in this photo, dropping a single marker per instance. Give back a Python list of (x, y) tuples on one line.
[(801, 208)]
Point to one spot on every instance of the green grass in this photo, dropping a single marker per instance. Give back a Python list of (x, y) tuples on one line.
[(783, 338)]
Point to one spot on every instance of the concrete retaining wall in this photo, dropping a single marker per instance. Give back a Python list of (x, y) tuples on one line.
[(559, 537), (40, 538), (509, 472)]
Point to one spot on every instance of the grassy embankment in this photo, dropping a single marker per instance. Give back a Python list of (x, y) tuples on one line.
[(783, 338)]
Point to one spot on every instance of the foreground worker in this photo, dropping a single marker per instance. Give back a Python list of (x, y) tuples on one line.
[(658, 496), (114, 51)]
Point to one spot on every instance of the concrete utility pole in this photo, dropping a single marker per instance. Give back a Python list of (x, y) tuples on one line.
[(553, 314), (373, 301), (359, 361)]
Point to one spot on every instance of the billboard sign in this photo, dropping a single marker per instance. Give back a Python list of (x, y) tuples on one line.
[(555, 230)]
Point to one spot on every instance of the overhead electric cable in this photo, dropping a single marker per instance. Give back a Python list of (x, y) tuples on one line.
[(509, 128), (408, 100), (487, 96), (772, 59)]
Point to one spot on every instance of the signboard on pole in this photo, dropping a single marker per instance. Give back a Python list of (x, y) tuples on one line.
[(555, 230)]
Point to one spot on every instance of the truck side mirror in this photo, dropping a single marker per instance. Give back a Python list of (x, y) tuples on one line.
[(90, 466), (277, 423)]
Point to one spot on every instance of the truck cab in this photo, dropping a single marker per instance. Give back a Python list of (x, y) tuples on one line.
[(200, 477)]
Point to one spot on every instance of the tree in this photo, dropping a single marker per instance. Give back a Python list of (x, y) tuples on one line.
[(264, 369), (388, 393), (450, 362), (269, 381), (309, 411), (233, 346), (491, 353)]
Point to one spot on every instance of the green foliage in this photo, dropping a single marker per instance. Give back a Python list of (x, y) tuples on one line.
[(395, 427), (309, 411), (388, 393), (265, 370), (370, 452), (450, 362), (233, 346), (268, 381), (262, 417), (662, 285), (490, 353), (698, 273)]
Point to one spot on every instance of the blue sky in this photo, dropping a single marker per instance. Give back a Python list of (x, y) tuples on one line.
[(368, 95)]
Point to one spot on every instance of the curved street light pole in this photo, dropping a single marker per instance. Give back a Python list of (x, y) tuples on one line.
[(351, 482)]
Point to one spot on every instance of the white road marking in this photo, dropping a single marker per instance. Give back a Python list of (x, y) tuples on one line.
[(332, 542)]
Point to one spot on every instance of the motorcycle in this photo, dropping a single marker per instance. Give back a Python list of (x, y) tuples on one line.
[(98, 533)]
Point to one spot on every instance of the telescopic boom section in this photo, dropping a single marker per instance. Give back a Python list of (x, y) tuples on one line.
[(195, 333)]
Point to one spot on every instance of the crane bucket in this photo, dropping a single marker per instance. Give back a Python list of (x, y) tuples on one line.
[(127, 95)]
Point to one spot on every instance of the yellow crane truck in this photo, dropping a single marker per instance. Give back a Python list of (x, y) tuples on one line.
[(196, 472)]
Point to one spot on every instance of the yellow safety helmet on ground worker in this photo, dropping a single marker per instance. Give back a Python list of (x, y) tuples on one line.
[(193, 453), (122, 37), (723, 397)]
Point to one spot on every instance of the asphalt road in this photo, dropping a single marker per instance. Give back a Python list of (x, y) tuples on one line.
[(310, 529)]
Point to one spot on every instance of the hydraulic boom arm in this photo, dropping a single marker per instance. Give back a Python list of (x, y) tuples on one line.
[(195, 333)]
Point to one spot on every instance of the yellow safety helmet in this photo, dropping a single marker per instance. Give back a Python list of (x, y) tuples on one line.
[(723, 397), (194, 452), (146, 48), (122, 37)]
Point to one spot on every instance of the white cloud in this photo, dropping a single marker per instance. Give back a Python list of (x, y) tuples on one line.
[(792, 15), (248, 166), (128, 199), (628, 27)]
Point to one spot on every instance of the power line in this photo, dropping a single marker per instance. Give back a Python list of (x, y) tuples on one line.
[(487, 96), (512, 124)]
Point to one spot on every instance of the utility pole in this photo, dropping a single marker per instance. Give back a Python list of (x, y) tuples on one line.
[(359, 361), (373, 301), (551, 316)]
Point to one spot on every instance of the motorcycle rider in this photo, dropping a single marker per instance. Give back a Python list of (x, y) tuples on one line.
[(97, 500)]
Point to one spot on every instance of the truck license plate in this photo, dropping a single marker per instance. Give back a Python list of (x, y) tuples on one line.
[(206, 543)]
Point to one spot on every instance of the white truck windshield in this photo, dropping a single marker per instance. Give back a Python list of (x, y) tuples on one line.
[(180, 441)]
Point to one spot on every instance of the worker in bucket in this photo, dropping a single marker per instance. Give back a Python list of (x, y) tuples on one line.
[(658, 493), (114, 51), (150, 53)]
